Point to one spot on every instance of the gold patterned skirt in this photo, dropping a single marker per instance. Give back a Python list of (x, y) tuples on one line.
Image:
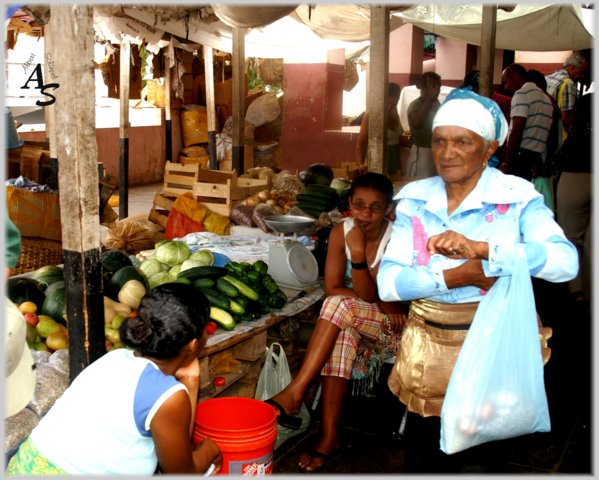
[(430, 345)]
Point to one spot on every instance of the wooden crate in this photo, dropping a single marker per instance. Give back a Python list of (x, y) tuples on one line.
[(220, 191), (251, 349), (348, 171), (160, 209), (179, 178)]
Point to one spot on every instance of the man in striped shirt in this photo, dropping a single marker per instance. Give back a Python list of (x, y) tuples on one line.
[(561, 85), (530, 122)]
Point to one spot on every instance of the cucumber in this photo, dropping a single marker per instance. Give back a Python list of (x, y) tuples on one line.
[(222, 318), (322, 190), (309, 210), (206, 271), (203, 282), (226, 287), (217, 299), (243, 288), (236, 307)]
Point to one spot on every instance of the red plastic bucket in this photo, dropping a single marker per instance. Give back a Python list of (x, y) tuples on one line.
[(244, 429)]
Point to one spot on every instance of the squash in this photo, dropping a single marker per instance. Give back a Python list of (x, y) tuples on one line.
[(23, 289), (112, 308), (122, 276), (131, 293)]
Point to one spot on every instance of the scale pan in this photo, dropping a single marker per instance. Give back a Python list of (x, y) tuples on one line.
[(288, 223)]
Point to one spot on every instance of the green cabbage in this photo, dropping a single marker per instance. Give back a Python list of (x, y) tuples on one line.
[(175, 271), (203, 255), (190, 263), (152, 266), (159, 278), (173, 252)]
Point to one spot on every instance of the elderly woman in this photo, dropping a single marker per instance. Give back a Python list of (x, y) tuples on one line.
[(454, 234)]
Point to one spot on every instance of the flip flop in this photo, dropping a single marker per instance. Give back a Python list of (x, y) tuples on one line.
[(325, 457), (283, 418)]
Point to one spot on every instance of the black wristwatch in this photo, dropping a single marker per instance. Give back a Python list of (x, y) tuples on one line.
[(360, 265)]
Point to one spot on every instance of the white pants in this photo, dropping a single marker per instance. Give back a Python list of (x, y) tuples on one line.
[(420, 163)]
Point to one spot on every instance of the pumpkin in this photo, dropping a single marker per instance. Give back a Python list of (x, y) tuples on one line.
[(131, 293)]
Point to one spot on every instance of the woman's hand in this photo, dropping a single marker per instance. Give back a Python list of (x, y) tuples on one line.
[(397, 313), (455, 245), (469, 273), (356, 241), (207, 452)]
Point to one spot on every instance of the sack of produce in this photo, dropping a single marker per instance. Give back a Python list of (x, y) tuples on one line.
[(216, 223), (133, 236), (242, 215), (185, 217), (260, 211)]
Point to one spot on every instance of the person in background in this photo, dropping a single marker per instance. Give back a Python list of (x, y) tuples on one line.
[(574, 193), (13, 245), (472, 80), (420, 119), (561, 85), (394, 132), (530, 123), (453, 236), (355, 331), (133, 408)]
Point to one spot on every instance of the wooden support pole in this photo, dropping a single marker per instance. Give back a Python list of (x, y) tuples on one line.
[(487, 48), (49, 110), (238, 66), (377, 88), (78, 183), (210, 105), (167, 111), (125, 66)]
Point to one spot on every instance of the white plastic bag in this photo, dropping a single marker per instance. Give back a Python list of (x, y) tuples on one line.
[(496, 389), (274, 377)]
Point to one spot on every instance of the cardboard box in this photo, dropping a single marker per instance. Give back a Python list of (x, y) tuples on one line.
[(35, 214), (223, 92)]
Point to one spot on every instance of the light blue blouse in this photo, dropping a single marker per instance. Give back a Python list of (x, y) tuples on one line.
[(502, 210)]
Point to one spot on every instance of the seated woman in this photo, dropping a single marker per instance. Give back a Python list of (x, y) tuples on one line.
[(453, 236), (352, 319), (133, 408)]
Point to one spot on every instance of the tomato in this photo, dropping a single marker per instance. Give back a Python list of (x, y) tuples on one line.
[(211, 327), (218, 381)]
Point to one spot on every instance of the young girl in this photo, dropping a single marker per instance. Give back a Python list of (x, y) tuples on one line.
[(132, 409), (355, 331)]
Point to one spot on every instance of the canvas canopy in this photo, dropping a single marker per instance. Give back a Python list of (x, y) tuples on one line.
[(281, 31)]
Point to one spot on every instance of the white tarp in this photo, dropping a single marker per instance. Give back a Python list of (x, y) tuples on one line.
[(527, 27)]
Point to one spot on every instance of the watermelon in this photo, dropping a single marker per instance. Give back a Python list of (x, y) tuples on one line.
[(48, 275), (55, 303), (113, 260)]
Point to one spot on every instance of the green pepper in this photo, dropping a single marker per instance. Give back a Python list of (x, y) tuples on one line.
[(253, 276), (237, 268), (271, 287), (260, 266)]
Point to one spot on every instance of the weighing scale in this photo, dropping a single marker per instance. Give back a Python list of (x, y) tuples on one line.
[(291, 264)]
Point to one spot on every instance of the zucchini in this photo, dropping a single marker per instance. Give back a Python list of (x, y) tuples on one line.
[(203, 282), (226, 287), (236, 307), (222, 318), (243, 288), (207, 271), (217, 299)]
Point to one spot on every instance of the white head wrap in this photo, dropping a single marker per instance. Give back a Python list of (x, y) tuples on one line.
[(468, 110)]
